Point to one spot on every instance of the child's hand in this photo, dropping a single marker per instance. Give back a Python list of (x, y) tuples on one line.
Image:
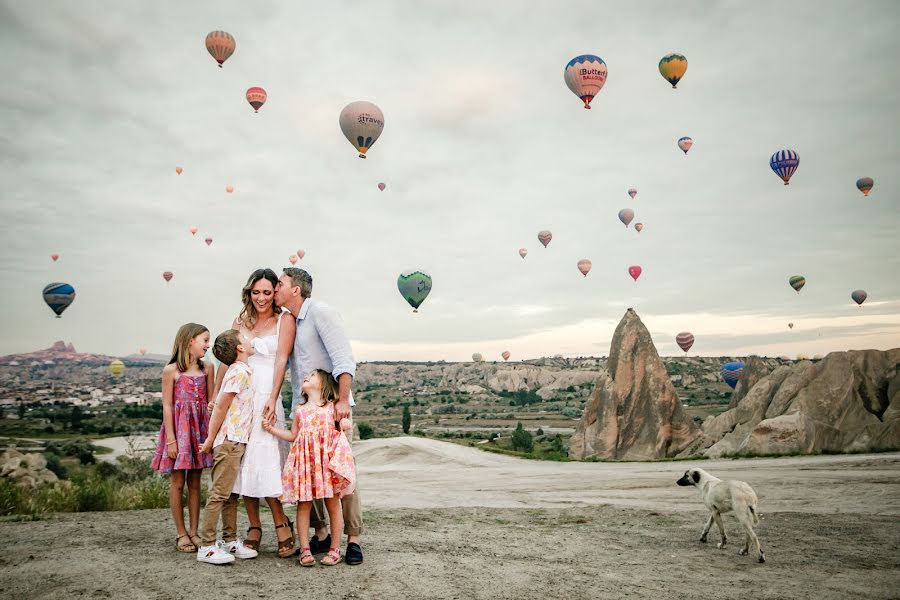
[(206, 448), (346, 425), (172, 450), (267, 426), (210, 406)]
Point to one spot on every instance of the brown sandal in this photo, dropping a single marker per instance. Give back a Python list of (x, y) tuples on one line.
[(286, 547), (188, 548), (253, 544), (306, 558)]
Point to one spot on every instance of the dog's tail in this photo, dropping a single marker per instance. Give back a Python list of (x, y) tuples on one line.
[(754, 514)]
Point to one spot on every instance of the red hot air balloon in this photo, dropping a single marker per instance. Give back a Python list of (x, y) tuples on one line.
[(685, 340), (584, 265), (381, 186), (544, 237), (229, 188), (523, 252), (54, 257), (634, 271), (638, 227), (178, 170), (256, 96), (293, 259), (208, 241), (194, 230), (301, 254), (167, 275), (632, 192), (505, 354)]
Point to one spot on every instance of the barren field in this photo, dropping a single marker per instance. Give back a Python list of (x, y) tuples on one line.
[(447, 521)]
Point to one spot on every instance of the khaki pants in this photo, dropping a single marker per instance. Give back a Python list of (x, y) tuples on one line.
[(226, 466), (351, 507)]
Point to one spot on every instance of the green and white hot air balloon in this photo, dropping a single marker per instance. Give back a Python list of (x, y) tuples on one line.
[(414, 286)]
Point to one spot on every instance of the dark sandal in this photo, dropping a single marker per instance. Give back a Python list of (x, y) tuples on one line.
[(253, 544), (286, 547), (188, 548), (306, 558)]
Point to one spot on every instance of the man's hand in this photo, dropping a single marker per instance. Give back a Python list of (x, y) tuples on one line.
[(342, 409)]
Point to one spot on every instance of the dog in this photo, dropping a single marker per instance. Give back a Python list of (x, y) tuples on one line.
[(726, 496)]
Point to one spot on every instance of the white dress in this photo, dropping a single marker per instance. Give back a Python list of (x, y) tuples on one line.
[(260, 473)]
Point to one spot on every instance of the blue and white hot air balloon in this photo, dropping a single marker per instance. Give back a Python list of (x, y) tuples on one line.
[(731, 373), (58, 297), (784, 163), (585, 76)]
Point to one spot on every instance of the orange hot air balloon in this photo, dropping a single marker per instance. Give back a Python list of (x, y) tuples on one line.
[(229, 188), (194, 230), (634, 271), (293, 259), (301, 254), (505, 354), (584, 265), (54, 257), (178, 170), (523, 252), (167, 275), (208, 241), (220, 45), (256, 96)]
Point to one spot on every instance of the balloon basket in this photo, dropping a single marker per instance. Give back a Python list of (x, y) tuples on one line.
[(362, 155)]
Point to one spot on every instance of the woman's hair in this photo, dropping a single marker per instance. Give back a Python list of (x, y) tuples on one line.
[(248, 316), (329, 386), (181, 354)]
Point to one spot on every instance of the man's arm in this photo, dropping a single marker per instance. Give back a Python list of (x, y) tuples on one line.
[(330, 328)]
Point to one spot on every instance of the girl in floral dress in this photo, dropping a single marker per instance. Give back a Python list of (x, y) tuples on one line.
[(320, 463), (186, 391)]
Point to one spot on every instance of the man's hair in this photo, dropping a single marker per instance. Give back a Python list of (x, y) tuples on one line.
[(300, 279), (225, 348)]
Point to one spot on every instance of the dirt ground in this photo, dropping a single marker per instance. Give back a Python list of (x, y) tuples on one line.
[(445, 521)]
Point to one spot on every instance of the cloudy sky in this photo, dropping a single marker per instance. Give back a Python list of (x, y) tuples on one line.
[(483, 147)]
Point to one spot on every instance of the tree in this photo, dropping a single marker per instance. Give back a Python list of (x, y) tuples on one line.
[(365, 431), (521, 439), (76, 417), (407, 419), (21, 411)]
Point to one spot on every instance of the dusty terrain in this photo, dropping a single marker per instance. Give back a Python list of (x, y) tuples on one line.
[(446, 521)]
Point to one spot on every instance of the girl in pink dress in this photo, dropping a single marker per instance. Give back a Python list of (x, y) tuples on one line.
[(186, 392), (320, 463)]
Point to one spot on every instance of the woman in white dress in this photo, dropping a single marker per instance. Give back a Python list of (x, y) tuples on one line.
[(272, 337)]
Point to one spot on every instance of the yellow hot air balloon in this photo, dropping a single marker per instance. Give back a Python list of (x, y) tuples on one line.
[(220, 45), (672, 67), (116, 367)]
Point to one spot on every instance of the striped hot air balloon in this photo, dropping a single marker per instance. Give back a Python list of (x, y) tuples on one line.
[(256, 96), (523, 252), (585, 76), (797, 282), (685, 340), (584, 265), (505, 354), (685, 143), (865, 184), (544, 237), (414, 286), (731, 373), (859, 296), (167, 275), (784, 163), (220, 45), (626, 215), (362, 123), (58, 297), (632, 192), (672, 67)]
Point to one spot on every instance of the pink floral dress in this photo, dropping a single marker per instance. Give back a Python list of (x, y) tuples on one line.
[(191, 427), (320, 463)]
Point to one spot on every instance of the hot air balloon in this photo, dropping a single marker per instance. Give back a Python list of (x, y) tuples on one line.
[(220, 45), (685, 144), (634, 271), (859, 296), (477, 357), (784, 163), (116, 367), (256, 96), (685, 340), (167, 275), (626, 215), (505, 354), (414, 286), (632, 192), (585, 76), (584, 265), (143, 351), (381, 186), (301, 253), (672, 68), (638, 227), (54, 257), (178, 170), (790, 325), (58, 297), (523, 252), (362, 123), (865, 185), (544, 237), (194, 230), (293, 259), (208, 241), (731, 373), (229, 188), (797, 282)]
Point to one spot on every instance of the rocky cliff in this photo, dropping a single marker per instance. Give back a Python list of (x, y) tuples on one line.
[(634, 412)]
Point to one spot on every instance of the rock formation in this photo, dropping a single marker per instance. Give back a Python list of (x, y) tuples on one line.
[(27, 470), (755, 368), (634, 412)]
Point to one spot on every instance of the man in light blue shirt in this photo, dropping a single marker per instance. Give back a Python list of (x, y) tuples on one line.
[(321, 342)]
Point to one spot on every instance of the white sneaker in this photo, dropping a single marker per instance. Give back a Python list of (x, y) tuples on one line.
[(239, 550), (214, 555)]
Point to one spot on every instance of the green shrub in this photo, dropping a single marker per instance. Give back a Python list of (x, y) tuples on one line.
[(521, 439), (53, 464), (407, 420), (366, 431)]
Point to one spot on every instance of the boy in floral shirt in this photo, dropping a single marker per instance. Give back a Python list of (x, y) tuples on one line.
[(229, 431)]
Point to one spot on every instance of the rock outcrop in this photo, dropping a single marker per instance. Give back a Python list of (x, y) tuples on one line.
[(28, 470), (755, 368), (847, 402), (634, 412)]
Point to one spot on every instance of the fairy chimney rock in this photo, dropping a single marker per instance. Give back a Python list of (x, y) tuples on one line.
[(634, 412)]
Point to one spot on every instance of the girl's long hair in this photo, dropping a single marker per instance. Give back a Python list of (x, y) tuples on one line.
[(249, 316), (329, 386), (181, 354)]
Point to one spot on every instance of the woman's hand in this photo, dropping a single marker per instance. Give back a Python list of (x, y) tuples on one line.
[(268, 413), (172, 449)]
